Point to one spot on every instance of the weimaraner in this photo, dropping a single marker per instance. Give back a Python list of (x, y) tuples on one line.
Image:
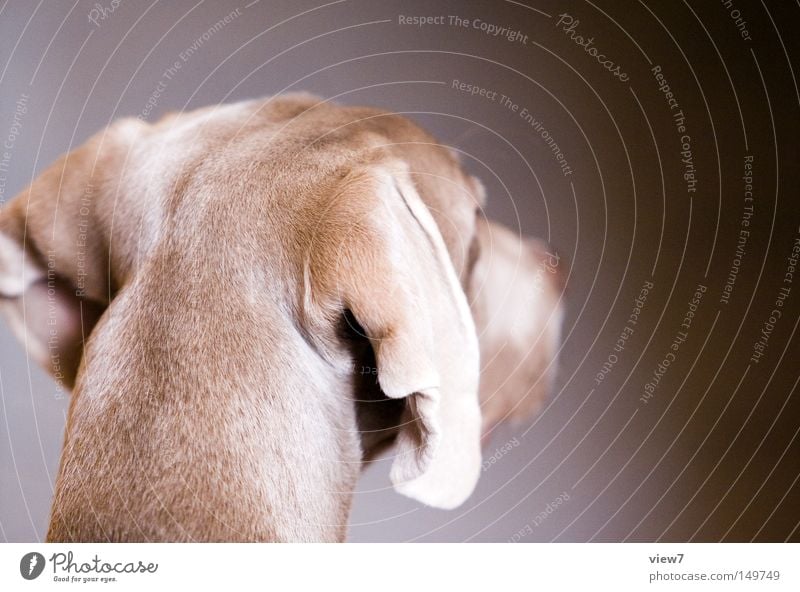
[(251, 301)]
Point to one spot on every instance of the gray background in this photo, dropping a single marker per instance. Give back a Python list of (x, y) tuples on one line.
[(702, 460)]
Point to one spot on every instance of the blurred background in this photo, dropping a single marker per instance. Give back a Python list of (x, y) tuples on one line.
[(656, 110)]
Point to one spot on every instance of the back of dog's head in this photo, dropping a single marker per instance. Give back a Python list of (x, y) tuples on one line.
[(269, 293)]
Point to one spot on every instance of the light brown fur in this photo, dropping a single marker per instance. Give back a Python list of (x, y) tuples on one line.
[(216, 284)]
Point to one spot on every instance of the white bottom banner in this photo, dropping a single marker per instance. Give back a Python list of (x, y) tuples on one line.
[(387, 567)]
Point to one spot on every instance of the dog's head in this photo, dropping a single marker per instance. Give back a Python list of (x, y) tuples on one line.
[(334, 260)]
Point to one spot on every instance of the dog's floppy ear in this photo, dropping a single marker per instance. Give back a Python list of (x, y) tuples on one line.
[(516, 293), (54, 273), (386, 263)]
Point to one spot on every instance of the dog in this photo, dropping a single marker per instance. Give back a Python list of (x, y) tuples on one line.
[(251, 301)]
